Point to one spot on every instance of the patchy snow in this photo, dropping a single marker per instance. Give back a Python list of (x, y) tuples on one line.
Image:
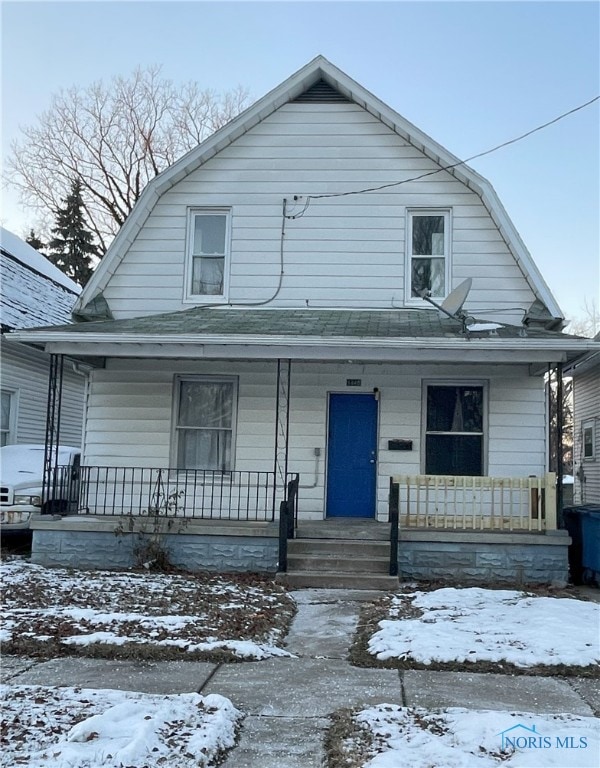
[(31, 258), (471, 625), (484, 326), (60, 608), (48, 727), (462, 738)]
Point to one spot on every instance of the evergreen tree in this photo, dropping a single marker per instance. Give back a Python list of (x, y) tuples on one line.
[(34, 241), (72, 246)]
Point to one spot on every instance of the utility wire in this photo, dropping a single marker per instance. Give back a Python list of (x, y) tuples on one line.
[(443, 168)]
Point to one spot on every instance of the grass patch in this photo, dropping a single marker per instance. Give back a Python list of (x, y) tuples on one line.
[(348, 744)]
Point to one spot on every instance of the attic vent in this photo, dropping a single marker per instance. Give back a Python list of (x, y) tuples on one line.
[(321, 92)]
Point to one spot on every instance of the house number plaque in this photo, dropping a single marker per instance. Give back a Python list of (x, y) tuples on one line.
[(353, 382)]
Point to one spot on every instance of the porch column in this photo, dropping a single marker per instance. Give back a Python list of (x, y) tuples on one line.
[(282, 426), (559, 440), (53, 411)]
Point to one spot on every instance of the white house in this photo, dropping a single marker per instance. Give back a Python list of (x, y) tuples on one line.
[(586, 427), (34, 293), (262, 316)]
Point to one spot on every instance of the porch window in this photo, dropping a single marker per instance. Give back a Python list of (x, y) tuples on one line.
[(588, 439), (7, 417), (428, 253), (205, 423), (208, 253), (454, 430)]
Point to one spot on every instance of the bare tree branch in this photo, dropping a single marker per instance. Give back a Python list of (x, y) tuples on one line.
[(113, 139)]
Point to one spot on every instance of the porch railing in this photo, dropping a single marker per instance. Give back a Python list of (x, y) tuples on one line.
[(188, 493), (476, 503)]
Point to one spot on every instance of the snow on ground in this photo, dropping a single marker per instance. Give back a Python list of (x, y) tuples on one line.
[(462, 738), (82, 728), (195, 613), (471, 625)]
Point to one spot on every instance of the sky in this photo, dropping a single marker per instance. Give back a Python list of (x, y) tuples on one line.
[(470, 74)]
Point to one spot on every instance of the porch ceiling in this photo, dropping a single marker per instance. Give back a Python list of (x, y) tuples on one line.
[(306, 334)]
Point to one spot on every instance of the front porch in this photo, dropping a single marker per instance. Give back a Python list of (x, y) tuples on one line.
[(473, 530)]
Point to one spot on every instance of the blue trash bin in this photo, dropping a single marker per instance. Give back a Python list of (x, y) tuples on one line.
[(583, 526)]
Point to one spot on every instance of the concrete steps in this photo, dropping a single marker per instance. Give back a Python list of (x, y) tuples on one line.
[(338, 563)]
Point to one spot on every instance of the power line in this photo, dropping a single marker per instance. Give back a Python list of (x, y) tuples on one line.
[(443, 168)]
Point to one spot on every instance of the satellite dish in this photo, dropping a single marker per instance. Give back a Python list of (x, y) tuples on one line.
[(454, 301)]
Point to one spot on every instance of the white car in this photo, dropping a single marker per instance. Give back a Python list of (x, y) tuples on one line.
[(21, 481)]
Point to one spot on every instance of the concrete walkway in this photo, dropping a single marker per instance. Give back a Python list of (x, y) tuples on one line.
[(287, 701)]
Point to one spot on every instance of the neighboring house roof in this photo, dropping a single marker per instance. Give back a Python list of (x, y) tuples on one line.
[(586, 362), (319, 69), (413, 331), (33, 291)]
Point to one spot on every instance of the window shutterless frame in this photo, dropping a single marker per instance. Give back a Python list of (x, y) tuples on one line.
[(8, 428), (428, 261), (453, 384), (588, 440), (181, 379), (213, 255)]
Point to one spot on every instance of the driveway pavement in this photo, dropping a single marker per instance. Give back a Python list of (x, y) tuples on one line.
[(287, 701)]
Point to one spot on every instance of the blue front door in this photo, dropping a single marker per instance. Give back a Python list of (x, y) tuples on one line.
[(351, 456)]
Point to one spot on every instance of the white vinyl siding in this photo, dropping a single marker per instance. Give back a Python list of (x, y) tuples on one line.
[(130, 416), (586, 414), (25, 372), (344, 251)]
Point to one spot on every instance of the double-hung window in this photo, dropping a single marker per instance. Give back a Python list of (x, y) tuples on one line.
[(7, 417), (454, 435), (205, 423), (428, 259), (208, 253), (588, 439)]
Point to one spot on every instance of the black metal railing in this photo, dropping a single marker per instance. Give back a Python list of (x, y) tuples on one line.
[(394, 516), (288, 520), (188, 493)]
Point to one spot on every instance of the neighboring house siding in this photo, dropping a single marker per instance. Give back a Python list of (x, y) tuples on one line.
[(345, 251), (130, 411), (586, 409), (25, 372)]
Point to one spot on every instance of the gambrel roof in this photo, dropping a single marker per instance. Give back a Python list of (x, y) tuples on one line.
[(324, 79), (33, 291)]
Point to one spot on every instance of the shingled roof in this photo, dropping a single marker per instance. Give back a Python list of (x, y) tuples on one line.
[(304, 323), (33, 291)]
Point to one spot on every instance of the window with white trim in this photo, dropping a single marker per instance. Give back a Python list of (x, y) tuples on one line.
[(454, 429), (205, 423), (428, 259), (208, 253), (7, 416), (588, 439)]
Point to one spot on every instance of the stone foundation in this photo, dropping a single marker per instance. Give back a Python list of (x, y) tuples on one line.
[(94, 543), (482, 558)]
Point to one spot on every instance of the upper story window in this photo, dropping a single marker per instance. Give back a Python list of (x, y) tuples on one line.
[(428, 261), (208, 254)]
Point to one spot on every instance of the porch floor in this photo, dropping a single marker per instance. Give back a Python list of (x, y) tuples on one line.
[(362, 529)]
